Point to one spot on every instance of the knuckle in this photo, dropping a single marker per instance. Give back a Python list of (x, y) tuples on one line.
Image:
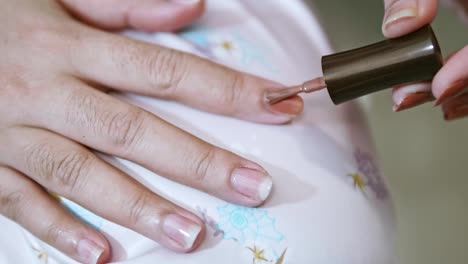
[(45, 32), (124, 129), (201, 165), (39, 160), (14, 84), (71, 170), (233, 93), (165, 69), (14, 91), (137, 205), (66, 170), (82, 110), (52, 233), (12, 204), (46, 29)]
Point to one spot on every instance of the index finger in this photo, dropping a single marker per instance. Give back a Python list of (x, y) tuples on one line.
[(129, 65)]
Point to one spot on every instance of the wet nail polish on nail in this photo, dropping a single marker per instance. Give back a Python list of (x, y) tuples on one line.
[(251, 183), (451, 92), (414, 99), (457, 112), (292, 106)]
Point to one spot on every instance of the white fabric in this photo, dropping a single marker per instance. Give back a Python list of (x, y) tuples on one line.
[(316, 211)]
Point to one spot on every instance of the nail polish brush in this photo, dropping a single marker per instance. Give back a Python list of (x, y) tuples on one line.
[(354, 73)]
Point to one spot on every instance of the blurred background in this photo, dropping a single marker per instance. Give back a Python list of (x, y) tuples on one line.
[(424, 157)]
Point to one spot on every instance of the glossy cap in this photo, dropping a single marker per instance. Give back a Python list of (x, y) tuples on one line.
[(354, 73)]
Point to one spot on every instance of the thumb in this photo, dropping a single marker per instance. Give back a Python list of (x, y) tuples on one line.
[(405, 16)]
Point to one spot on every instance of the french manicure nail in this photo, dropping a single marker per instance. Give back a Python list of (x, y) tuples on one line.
[(190, 2), (399, 10), (413, 99), (181, 230), (394, 16), (251, 183), (88, 251), (454, 90)]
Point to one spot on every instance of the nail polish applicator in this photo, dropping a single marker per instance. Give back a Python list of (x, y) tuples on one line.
[(351, 74)]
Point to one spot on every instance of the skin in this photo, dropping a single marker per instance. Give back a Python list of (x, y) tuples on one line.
[(450, 85), (57, 62)]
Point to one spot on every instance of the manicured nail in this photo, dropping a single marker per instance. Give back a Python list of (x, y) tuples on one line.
[(453, 91), (399, 10), (181, 230), (456, 112), (190, 2), (292, 106), (252, 183), (412, 100), (88, 251)]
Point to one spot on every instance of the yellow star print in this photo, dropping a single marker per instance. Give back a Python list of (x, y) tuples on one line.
[(281, 258), (227, 45), (42, 255), (258, 255), (358, 181)]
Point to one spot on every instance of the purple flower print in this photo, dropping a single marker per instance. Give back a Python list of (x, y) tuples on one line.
[(210, 222), (369, 170)]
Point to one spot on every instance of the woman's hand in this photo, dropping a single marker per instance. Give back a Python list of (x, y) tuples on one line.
[(54, 71), (450, 85)]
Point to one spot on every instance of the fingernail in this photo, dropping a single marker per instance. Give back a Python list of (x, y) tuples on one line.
[(252, 183), (412, 100), (181, 230), (190, 2), (454, 90), (456, 112), (89, 252), (399, 10), (292, 106)]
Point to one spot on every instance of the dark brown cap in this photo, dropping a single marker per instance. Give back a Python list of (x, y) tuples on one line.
[(354, 73)]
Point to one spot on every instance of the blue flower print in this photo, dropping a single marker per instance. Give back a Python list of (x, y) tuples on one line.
[(243, 224)]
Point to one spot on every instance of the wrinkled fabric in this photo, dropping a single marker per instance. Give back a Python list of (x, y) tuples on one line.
[(330, 203)]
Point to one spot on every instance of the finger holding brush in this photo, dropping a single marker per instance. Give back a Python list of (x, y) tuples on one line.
[(450, 84)]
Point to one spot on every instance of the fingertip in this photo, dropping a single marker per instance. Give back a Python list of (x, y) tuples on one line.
[(403, 17), (166, 16), (400, 23), (198, 241), (250, 187), (456, 108), (452, 79), (399, 93), (201, 234), (90, 250), (102, 242), (183, 231)]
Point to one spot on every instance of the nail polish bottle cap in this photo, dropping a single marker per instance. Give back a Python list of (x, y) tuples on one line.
[(410, 58)]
